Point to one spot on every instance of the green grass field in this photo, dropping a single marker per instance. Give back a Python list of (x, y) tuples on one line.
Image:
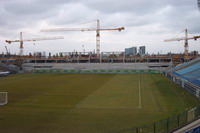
[(67, 103)]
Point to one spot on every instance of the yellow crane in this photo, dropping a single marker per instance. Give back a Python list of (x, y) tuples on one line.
[(21, 40), (186, 38), (97, 29)]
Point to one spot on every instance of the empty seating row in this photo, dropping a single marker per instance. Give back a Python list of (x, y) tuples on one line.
[(188, 69), (196, 81), (183, 65), (192, 75)]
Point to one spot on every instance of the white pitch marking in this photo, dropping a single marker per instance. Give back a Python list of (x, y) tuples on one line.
[(101, 107), (77, 105), (139, 93), (82, 101)]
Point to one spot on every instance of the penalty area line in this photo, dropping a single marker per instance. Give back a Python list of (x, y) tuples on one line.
[(78, 104)]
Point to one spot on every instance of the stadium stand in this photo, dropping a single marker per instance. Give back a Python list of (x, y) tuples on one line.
[(28, 67), (2, 69), (190, 73), (183, 65), (187, 75), (187, 72), (188, 69), (10, 68)]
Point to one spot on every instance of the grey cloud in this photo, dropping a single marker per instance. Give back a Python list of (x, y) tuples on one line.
[(164, 15), (31, 7)]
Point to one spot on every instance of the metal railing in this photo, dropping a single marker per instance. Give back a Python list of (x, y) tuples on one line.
[(167, 125)]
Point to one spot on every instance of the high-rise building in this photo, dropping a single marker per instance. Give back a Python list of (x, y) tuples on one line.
[(142, 50), (131, 51)]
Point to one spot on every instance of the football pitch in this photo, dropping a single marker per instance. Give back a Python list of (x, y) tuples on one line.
[(81, 103)]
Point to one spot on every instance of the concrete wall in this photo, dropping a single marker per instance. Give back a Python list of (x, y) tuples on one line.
[(27, 67)]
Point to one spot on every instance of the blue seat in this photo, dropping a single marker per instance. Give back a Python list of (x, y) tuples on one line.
[(189, 69), (190, 73)]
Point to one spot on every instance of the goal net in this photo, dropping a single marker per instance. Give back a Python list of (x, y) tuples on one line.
[(3, 98)]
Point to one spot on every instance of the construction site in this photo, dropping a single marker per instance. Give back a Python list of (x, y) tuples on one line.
[(123, 91), (74, 66), (96, 59)]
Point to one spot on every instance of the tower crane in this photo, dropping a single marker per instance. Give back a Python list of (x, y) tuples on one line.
[(97, 29), (7, 53), (21, 40), (186, 38)]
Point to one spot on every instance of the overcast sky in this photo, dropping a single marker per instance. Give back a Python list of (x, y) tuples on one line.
[(146, 22)]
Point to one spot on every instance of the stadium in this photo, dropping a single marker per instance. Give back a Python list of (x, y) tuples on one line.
[(99, 97), (132, 82)]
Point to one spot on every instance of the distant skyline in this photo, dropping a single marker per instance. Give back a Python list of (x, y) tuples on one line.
[(147, 23)]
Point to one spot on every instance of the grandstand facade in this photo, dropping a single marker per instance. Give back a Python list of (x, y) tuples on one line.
[(89, 61), (28, 67)]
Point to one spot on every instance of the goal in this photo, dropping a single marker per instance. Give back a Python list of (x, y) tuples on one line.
[(3, 98)]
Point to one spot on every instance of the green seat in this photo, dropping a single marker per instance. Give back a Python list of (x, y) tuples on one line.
[(72, 71), (102, 71), (94, 71), (110, 71), (126, 71)]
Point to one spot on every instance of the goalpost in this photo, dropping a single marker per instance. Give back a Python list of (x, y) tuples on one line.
[(3, 98)]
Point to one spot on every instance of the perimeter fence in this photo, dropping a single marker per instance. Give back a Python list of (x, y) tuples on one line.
[(167, 125)]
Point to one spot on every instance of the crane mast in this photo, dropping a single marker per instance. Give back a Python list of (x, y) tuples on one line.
[(98, 39), (97, 29), (186, 44), (6, 50), (21, 41), (21, 45)]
